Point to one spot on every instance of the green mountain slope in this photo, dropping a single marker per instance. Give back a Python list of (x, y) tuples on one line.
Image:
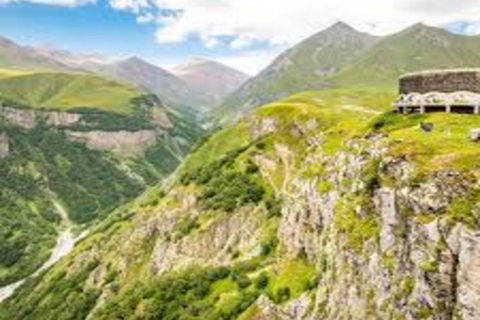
[(344, 58), (307, 66), (415, 49), (73, 148), (61, 91), (317, 194)]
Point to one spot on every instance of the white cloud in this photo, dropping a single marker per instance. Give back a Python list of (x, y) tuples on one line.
[(287, 21), (135, 6), (145, 18), (280, 23)]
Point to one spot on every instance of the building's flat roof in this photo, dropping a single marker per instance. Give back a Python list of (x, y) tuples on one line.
[(439, 71)]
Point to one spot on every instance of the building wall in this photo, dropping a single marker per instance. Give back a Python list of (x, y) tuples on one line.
[(442, 82)]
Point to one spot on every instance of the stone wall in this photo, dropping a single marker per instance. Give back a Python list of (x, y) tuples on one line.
[(441, 81)]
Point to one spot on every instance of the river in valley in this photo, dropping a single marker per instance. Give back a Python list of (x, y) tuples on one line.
[(65, 243)]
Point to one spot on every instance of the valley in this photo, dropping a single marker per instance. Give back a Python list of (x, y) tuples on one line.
[(129, 191)]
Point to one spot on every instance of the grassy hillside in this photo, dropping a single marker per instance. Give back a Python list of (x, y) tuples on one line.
[(340, 57), (45, 169), (227, 183), (60, 91), (414, 49), (306, 66), (5, 73)]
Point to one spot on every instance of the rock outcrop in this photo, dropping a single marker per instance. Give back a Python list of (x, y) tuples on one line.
[(382, 242), (122, 143), (27, 118), (4, 145)]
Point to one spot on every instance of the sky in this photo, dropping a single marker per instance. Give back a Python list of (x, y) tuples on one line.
[(245, 34)]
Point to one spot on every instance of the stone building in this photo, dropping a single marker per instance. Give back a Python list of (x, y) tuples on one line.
[(440, 90)]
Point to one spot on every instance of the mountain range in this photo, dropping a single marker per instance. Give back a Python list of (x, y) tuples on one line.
[(342, 57), (214, 79), (16, 56), (338, 56), (200, 83), (314, 201)]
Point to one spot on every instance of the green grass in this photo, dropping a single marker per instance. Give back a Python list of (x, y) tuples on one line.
[(218, 145), (414, 49), (447, 147), (295, 275), (60, 91), (6, 72)]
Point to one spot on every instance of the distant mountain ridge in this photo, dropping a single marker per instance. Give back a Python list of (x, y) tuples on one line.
[(14, 55), (341, 56), (200, 85), (77, 60), (303, 67), (213, 79), (151, 78)]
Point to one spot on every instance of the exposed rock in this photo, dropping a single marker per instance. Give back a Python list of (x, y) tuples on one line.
[(213, 246), (123, 143), (24, 118), (263, 127), (27, 118), (160, 118), (295, 309), (475, 134), (4, 145)]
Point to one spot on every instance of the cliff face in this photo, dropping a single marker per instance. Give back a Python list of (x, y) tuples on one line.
[(348, 226), (27, 118), (131, 143), (122, 143), (388, 262), (86, 162)]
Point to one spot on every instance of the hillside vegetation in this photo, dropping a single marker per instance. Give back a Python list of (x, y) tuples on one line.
[(301, 201), (249, 226), (344, 58), (50, 180), (60, 91)]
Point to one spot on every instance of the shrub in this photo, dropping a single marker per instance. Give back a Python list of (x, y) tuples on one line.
[(261, 282), (462, 210), (274, 207), (269, 246), (243, 281), (282, 294)]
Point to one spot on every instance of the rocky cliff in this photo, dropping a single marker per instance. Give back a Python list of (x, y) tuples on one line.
[(122, 143), (27, 118), (4, 145), (93, 132), (308, 220)]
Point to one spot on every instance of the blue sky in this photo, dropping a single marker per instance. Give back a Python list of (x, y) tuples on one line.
[(246, 34), (98, 28), (95, 28)]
